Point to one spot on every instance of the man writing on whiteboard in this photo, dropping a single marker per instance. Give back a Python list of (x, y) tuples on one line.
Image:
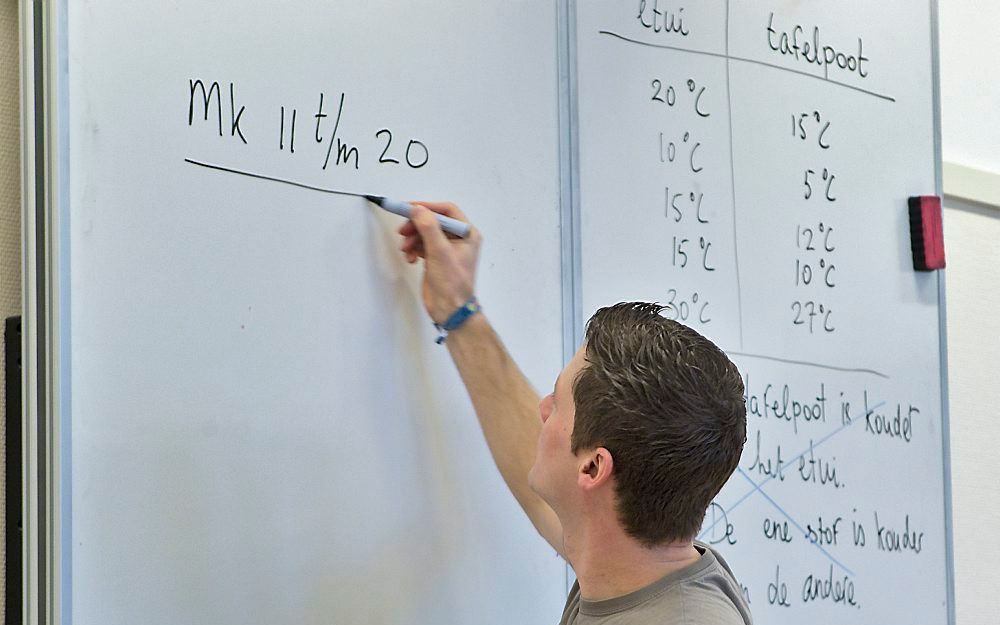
[(617, 465)]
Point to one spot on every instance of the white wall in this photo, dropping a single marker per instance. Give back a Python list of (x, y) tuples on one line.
[(970, 83), (973, 275), (970, 95)]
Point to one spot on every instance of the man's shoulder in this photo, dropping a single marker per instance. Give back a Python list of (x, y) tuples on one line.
[(704, 593), (714, 596)]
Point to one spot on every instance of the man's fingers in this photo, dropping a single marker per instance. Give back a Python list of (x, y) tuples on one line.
[(412, 245), (434, 239), (407, 229), (409, 242), (445, 208), (422, 232)]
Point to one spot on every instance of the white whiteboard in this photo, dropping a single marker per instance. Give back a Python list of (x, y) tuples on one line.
[(696, 134), (262, 428)]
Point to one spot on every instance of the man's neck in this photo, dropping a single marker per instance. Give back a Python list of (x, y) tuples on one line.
[(611, 564)]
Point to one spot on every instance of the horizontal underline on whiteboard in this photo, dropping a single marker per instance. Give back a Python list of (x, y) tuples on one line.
[(271, 178), (745, 60), (809, 364)]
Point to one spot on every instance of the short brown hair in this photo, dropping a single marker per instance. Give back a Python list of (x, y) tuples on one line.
[(668, 404)]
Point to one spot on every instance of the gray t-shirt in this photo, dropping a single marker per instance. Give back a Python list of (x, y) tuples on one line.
[(704, 593)]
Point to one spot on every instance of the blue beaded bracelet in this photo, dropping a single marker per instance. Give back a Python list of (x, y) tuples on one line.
[(457, 318)]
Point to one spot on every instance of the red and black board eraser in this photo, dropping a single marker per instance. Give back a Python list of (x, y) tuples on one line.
[(926, 233)]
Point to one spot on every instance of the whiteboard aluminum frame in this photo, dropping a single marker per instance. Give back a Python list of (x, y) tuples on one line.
[(569, 191), (27, 15), (45, 267), (569, 179), (949, 549)]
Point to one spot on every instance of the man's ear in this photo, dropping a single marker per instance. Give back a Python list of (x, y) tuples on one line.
[(596, 469)]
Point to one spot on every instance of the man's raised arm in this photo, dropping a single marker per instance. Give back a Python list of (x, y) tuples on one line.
[(505, 403)]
